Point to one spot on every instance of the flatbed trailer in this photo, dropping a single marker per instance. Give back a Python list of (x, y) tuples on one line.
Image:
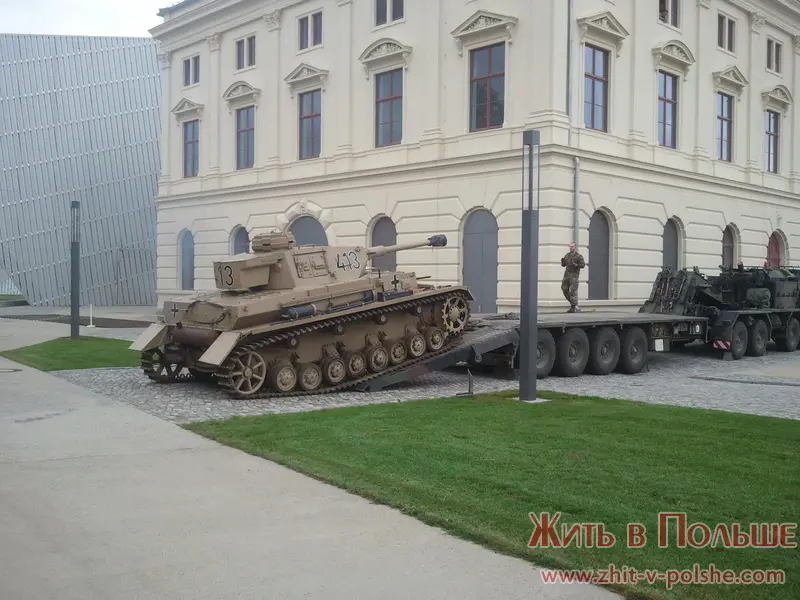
[(600, 343)]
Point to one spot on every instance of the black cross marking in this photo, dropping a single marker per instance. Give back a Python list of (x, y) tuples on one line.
[(175, 310), (395, 282)]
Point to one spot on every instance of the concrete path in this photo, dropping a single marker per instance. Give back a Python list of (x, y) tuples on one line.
[(99, 500)]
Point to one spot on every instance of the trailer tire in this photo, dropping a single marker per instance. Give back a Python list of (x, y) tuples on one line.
[(739, 340), (572, 352), (757, 337), (633, 351), (604, 350), (546, 353), (790, 339)]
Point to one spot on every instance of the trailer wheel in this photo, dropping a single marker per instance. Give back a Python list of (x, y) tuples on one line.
[(604, 346), (789, 341), (546, 353), (739, 340), (757, 338), (633, 351), (572, 352)]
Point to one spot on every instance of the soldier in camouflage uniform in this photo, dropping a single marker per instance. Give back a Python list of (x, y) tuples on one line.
[(573, 261)]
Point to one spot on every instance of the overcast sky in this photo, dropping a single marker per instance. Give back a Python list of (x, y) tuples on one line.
[(81, 17)]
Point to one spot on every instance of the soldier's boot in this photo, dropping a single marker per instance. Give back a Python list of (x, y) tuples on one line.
[(571, 309)]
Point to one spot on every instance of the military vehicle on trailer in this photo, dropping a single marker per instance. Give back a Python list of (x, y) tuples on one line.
[(290, 320)]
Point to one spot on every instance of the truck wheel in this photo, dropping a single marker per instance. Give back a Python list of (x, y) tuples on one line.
[(791, 337), (546, 353), (739, 340), (757, 339), (633, 351), (604, 348), (572, 352)]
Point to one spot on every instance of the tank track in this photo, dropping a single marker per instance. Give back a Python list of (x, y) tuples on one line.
[(225, 380), (161, 372)]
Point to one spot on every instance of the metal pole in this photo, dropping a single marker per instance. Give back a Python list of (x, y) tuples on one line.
[(529, 297), (75, 278)]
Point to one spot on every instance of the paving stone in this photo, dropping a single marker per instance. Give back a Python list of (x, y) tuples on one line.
[(690, 377)]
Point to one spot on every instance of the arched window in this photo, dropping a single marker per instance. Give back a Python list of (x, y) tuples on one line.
[(241, 241), (599, 257), (480, 260), (308, 231), (384, 233), (670, 243), (187, 260), (728, 247), (775, 250)]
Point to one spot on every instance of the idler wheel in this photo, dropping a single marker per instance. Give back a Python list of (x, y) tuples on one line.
[(356, 364), (434, 339), (377, 359), (416, 345), (397, 352), (309, 376), (334, 370), (283, 377), (249, 373)]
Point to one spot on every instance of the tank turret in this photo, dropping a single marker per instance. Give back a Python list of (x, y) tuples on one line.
[(303, 319)]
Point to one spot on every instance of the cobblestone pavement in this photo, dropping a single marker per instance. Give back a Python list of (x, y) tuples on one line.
[(691, 377)]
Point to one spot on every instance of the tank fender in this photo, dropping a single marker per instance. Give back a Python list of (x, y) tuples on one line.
[(157, 334), (217, 352)]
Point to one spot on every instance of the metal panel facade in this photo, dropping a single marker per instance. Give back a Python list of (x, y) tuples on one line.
[(79, 120)]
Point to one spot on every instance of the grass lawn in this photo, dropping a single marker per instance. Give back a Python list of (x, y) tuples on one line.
[(84, 353), (478, 467)]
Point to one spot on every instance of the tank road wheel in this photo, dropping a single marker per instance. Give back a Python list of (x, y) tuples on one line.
[(249, 373), (377, 359), (789, 341), (633, 351), (334, 370), (416, 345), (455, 315), (757, 337), (397, 352), (604, 348), (309, 377), (573, 352), (356, 364), (282, 377), (545, 353), (434, 339), (739, 340)]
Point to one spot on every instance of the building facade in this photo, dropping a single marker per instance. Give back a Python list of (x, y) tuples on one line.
[(79, 120), (668, 135)]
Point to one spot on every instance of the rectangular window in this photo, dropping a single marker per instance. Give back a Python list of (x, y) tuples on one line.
[(389, 108), (246, 53), (595, 89), (191, 71), (384, 8), (191, 144), (245, 137), (667, 109), (724, 126), (773, 140), (310, 124), (726, 33), (774, 51), (310, 30), (668, 12), (487, 87)]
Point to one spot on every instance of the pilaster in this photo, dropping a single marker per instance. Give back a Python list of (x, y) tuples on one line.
[(704, 118), (164, 60), (344, 86), (273, 102), (433, 120), (642, 69), (755, 121), (211, 146), (794, 173)]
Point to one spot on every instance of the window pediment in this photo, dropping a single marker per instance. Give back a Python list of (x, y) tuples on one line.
[(241, 93), (384, 52), (605, 27), (305, 75), (730, 79), (186, 110), (778, 98), (483, 25), (674, 55)]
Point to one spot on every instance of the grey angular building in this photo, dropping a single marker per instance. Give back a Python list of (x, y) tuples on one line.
[(79, 120)]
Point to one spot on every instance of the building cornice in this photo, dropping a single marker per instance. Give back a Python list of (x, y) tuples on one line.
[(780, 14)]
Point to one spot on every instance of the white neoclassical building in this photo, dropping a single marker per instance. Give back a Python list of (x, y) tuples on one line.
[(669, 135)]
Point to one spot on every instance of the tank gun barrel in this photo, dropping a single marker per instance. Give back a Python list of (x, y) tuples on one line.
[(436, 241)]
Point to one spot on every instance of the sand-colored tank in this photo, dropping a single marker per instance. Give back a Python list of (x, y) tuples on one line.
[(289, 320)]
